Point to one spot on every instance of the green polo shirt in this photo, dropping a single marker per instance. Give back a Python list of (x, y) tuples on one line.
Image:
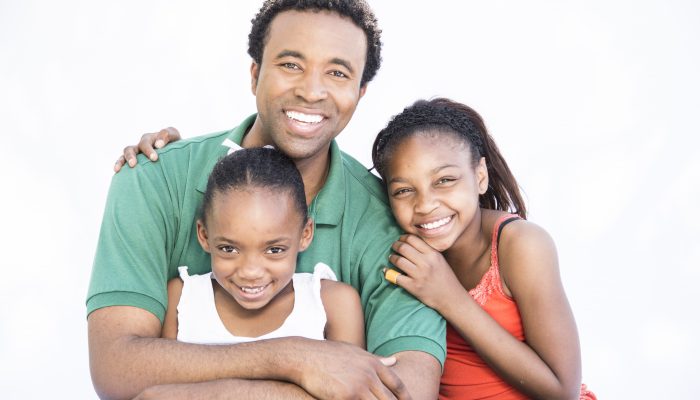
[(149, 229)]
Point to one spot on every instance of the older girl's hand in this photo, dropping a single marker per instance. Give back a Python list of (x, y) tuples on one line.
[(427, 275)]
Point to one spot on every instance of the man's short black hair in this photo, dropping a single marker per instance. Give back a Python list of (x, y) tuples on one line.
[(357, 10)]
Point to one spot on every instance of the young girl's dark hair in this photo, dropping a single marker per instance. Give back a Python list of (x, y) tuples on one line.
[(446, 116), (263, 168)]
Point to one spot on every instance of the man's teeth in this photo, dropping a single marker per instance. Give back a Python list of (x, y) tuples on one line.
[(252, 290), (307, 118), (436, 224)]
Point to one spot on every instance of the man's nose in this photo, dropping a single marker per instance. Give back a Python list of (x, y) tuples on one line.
[(312, 86)]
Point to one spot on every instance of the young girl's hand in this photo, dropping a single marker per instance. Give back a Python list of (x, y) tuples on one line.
[(427, 275)]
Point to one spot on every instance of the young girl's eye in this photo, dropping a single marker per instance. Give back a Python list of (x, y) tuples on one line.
[(275, 250), (228, 249)]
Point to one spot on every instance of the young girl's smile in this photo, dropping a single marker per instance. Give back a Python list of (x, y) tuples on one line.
[(253, 237), (434, 187)]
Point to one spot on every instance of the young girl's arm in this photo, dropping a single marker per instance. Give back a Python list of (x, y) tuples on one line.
[(345, 320), (547, 365), (169, 330)]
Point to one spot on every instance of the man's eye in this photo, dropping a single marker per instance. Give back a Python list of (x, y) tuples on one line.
[(338, 74), (290, 66), (275, 250)]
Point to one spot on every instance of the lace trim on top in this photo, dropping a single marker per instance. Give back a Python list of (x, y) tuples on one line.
[(491, 281)]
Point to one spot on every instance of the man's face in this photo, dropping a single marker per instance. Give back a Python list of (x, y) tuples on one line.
[(308, 84)]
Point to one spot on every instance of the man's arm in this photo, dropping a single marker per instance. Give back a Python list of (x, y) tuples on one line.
[(127, 356), (420, 371), (224, 389)]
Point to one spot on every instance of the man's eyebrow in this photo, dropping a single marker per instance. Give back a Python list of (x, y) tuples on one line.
[(344, 63), (289, 53)]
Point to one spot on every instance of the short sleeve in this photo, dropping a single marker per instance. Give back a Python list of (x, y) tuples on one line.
[(396, 321), (131, 265)]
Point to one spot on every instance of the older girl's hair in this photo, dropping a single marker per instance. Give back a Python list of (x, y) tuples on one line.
[(446, 116)]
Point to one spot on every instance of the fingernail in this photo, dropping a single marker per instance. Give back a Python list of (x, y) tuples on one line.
[(153, 156), (388, 361), (132, 162), (159, 143)]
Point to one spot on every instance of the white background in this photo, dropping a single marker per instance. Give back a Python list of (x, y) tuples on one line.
[(594, 104)]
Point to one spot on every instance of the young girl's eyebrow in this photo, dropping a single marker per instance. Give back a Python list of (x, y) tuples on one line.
[(277, 240)]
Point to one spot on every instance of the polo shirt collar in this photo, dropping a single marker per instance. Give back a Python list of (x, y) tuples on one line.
[(232, 141), (327, 208)]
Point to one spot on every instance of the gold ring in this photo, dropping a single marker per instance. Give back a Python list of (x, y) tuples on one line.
[(391, 275)]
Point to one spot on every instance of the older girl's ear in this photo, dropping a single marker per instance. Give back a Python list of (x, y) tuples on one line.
[(482, 176)]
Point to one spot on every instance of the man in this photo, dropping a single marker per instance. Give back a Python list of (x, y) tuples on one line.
[(312, 61)]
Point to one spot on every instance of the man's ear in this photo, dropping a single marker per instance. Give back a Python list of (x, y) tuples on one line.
[(254, 73), (307, 235), (202, 236), (482, 176), (363, 89)]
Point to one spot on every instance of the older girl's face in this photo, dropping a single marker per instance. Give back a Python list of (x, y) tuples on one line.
[(434, 187)]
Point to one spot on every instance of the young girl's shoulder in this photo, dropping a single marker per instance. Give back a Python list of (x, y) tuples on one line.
[(335, 294)]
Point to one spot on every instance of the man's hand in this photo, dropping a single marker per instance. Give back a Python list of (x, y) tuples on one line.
[(147, 145), (335, 370)]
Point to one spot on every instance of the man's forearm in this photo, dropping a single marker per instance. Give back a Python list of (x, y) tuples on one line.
[(124, 363), (226, 389), (420, 372)]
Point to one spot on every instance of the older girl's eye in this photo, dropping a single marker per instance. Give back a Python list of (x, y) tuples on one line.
[(400, 192), (445, 180)]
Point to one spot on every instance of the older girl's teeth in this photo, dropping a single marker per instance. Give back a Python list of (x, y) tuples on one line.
[(436, 224), (307, 118)]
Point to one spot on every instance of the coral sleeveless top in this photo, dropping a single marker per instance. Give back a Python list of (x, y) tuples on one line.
[(466, 375)]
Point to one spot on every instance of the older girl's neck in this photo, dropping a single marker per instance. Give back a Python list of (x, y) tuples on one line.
[(468, 251)]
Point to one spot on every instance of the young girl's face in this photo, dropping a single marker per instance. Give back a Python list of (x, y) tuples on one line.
[(253, 236), (434, 187)]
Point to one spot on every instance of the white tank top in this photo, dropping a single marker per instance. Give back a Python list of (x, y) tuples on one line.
[(199, 322)]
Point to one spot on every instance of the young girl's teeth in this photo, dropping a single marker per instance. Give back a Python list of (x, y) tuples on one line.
[(253, 290), (307, 118), (436, 224)]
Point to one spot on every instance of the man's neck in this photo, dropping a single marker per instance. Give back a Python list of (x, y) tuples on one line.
[(314, 170)]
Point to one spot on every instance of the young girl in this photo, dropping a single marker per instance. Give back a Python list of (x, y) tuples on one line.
[(253, 223), (491, 274)]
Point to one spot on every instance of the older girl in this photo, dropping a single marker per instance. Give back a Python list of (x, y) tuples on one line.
[(469, 253)]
